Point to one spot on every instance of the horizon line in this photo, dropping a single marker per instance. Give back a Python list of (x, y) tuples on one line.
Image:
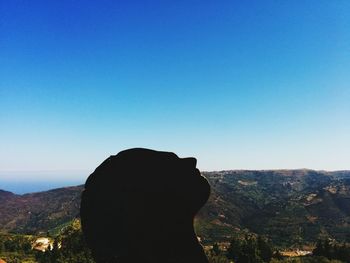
[(214, 170)]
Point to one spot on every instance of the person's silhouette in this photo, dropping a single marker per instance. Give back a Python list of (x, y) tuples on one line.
[(139, 206)]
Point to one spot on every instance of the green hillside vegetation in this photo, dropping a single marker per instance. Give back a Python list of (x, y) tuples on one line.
[(249, 248), (16, 248), (69, 247)]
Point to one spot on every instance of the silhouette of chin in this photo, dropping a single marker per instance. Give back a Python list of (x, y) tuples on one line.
[(139, 206)]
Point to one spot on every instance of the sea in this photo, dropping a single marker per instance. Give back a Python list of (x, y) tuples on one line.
[(23, 183)]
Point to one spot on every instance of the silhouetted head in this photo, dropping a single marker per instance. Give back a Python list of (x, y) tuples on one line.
[(139, 205)]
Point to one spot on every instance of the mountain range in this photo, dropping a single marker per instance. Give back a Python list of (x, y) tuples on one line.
[(290, 207)]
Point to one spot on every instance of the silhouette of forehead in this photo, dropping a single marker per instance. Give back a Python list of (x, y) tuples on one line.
[(140, 166), (146, 158), (139, 158)]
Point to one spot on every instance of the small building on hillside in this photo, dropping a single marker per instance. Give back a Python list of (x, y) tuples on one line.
[(42, 244), (295, 253)]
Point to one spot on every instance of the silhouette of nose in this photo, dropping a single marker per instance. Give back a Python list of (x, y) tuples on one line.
[(190, 162)]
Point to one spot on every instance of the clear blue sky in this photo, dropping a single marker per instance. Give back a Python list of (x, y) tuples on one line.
[(237, 84)]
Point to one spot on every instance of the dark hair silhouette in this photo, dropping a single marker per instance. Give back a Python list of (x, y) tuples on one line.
[(139, 206)]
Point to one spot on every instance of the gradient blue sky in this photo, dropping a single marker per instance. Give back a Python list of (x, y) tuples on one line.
[(237, 84)]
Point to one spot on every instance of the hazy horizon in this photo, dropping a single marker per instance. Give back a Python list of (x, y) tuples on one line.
[(23, 182)]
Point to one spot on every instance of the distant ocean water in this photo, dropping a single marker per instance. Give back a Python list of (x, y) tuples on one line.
[(36, 181), (35, 186)]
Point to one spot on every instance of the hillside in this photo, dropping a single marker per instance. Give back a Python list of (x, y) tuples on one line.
[(38, 212), (290, 207)]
